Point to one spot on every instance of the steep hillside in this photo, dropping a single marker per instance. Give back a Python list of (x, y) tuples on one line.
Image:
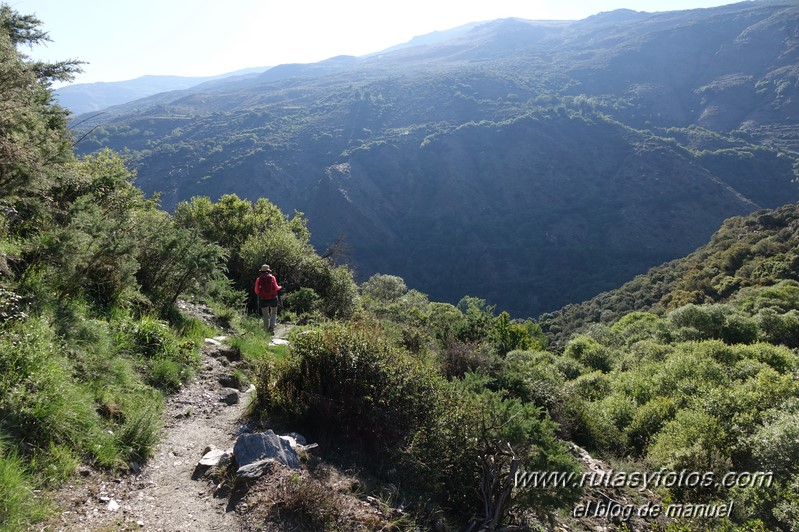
[(759, 250), (529, 163)]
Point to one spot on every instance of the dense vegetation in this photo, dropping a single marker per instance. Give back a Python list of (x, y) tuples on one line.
[(90, 274), (746, 253), (692, 368), (531, 164)]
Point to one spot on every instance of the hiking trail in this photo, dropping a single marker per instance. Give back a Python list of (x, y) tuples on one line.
[(168, 493)]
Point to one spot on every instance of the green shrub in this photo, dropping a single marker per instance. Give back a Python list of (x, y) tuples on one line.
[(533, 377), (718, 321), (591, 386), (690, 370), (577, 422), (303, 301), (465, 454), (637, 326), (347, 382), (782, 297), (779, 358), (570, 368), (776, 328), (39, 402), (170, 361), (693, 441), (589, 352), (647, 422), (384, 288), (619, 409), (508, 335)]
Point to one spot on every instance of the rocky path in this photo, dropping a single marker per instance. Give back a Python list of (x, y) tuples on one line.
[(169, 494)]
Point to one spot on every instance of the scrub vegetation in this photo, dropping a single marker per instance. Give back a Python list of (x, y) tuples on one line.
[(691, 368)]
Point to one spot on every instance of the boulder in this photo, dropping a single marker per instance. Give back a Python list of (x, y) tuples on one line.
[(251, 448), (230, 396)]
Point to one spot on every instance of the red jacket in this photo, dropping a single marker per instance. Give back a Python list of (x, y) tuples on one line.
[(266, 286)]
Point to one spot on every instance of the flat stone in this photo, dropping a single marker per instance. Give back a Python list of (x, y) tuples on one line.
[(255, 469), (213, 341), (214, 457)]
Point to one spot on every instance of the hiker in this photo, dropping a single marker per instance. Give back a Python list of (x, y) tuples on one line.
[(266, 289)]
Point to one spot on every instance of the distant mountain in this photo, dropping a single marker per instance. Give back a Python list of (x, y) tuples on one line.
[(435, 37), (534, 164), (87, 97)]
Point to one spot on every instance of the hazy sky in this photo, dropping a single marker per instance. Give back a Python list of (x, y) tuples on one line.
[(124, 39)]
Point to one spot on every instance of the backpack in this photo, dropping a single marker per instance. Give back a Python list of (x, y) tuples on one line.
[(264, 285)]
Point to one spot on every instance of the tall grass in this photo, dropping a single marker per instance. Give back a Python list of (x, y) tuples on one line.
[(251, 339), (18, 506), (74, 387)]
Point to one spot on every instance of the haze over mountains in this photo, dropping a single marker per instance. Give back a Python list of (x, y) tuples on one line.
[(533, 164), (87, 97)]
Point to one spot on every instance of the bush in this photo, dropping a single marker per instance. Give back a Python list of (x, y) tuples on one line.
[(775, 444), (466, 456), (508, 335), (780, 329), (589, 352), (303, 301), (39, 403), (591, 386), (693, 441), (384, 288), (718, 321), (637, 326), (347, 383), (458, 359), (169, 360), (533, 377), (647, 422)]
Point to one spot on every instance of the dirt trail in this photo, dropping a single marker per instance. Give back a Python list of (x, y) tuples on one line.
[(167, 494)]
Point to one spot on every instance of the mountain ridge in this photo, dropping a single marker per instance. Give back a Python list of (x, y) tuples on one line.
[(82, 98), (619, 141)]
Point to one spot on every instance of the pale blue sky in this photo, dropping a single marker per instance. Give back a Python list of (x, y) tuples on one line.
[(124, 39)]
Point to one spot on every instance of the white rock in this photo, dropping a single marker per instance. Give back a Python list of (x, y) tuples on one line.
[(212, 341), (278, 341), (113, 505), (214, 457)]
